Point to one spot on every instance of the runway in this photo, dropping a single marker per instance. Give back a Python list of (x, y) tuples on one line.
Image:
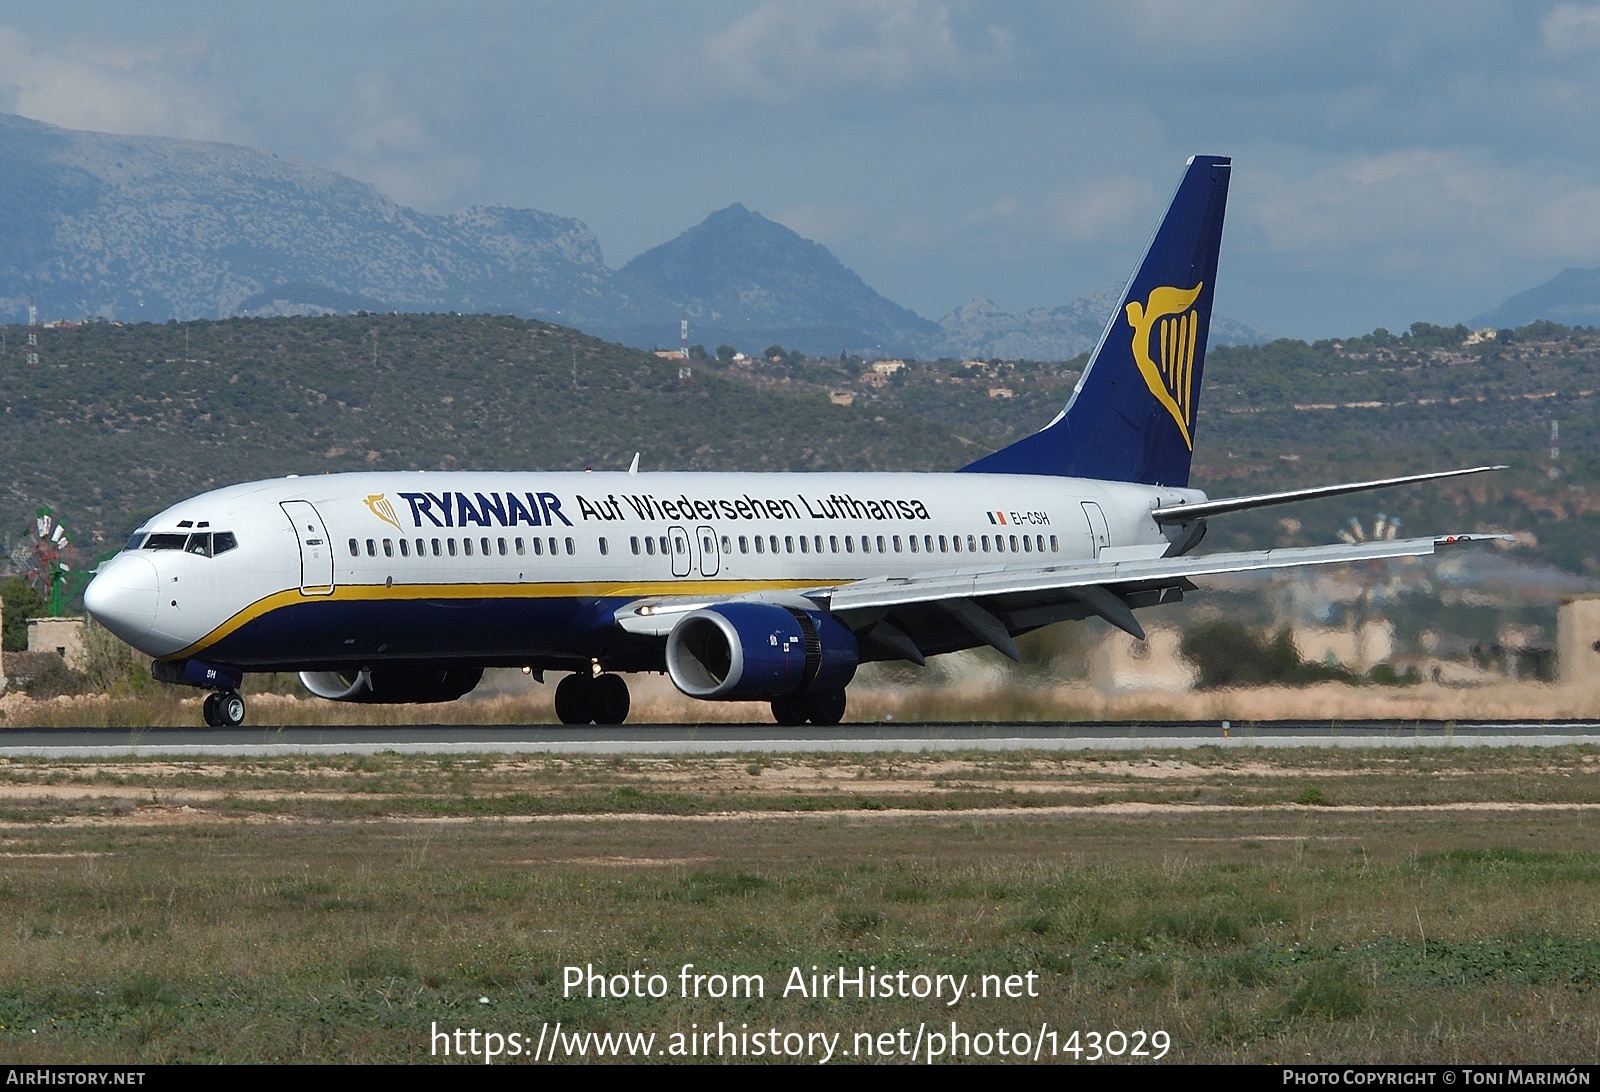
[(706, 739)]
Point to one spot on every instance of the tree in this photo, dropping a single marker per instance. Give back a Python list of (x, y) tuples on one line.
[(726, 353), (19, 602)]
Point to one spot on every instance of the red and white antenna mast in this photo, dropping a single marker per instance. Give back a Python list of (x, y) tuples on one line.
[(684, 372), (33, 334)]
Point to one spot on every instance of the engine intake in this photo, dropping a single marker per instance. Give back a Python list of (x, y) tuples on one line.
[(758, 651), (393, 685)]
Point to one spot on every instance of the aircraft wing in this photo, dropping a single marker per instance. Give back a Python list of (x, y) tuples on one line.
[(992, 603), (902, 615)]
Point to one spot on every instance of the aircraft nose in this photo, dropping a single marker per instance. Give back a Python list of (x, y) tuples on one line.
[(123, 597)]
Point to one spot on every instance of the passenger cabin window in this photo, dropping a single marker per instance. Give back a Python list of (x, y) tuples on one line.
[(538, 547), (606, 549), (388, 547), (501, 543), (522, 547), (484, 542), (466, 546), (450, 544), (571, 547), (633, 543), (405, 548), (372, 548), (1055, 545), (436, 548)]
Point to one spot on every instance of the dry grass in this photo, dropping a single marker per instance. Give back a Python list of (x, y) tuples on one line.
[(1431, 906), (656, 702)]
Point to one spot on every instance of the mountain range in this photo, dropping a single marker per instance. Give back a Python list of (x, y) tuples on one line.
[(1571, 298), (152, 228)]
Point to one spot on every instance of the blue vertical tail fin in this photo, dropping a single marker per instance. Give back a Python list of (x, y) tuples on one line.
[(1131, 417)]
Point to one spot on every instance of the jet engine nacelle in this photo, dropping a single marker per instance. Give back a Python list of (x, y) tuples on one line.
[(393, 685), (757, 651)]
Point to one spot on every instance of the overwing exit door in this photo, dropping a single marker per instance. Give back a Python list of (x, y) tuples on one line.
[(682, 551), (710, 554)]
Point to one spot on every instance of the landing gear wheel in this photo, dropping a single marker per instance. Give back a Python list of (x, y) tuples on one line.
[(789, 710), (575, 699), (208, 710), (230, 709), (825, 709), (610, 699)]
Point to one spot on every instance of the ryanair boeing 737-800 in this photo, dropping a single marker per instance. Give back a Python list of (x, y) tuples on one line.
[(404, 587)]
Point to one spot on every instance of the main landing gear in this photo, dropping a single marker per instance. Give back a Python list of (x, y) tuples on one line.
[(583, 698), (824, 710), (223, 709)]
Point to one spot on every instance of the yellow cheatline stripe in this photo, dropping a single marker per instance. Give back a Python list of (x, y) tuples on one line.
[(593, 589)]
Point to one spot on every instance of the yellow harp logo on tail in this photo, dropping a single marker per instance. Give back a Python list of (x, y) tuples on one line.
[(1168, 321), (379, 503)]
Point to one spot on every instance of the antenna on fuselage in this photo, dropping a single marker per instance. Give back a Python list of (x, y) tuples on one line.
[(633, 467)]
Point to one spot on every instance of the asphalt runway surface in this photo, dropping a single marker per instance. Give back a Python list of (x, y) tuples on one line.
[(679, 739)]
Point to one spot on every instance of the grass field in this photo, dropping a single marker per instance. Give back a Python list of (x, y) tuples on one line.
[(1265, 906)]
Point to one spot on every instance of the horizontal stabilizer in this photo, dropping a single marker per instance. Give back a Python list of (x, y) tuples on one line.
[(1184, 513)]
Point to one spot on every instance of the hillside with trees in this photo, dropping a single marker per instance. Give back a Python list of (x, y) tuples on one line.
[(119, 421)]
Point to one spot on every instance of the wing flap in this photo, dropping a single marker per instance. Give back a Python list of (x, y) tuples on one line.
[(939, 587)]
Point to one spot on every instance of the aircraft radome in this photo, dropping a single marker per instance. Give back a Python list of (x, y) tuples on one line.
[(404, 587)]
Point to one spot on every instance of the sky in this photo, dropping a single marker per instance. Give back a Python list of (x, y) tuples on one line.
[(1392, 162)]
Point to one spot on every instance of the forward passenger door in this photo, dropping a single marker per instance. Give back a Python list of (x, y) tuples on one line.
[(316, 552)]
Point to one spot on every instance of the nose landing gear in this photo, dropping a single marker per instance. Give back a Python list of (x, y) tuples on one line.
[(223, 709)]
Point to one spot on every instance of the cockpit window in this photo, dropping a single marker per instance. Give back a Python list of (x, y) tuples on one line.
[(136, 541), (204, 543)]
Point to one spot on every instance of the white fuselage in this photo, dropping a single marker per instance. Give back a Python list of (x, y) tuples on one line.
[(526, 568)]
